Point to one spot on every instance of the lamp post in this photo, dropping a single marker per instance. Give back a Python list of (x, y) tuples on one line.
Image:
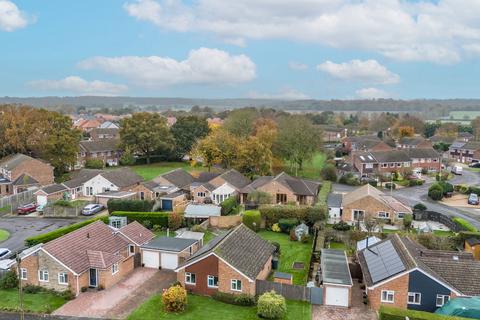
[(20, 288)]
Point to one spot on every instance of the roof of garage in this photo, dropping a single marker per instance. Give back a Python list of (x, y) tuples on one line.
[(169, 244), (334, 266)]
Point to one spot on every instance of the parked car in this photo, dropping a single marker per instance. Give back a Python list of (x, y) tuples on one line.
[(474, 165), (457, 170), (91, 209), (27, 208), (473, 199), (40, 208), (4, 253)]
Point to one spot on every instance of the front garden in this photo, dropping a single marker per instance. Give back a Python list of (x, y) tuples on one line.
[(41, 302)]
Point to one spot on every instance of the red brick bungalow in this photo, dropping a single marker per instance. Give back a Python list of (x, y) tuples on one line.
[(230, 263)]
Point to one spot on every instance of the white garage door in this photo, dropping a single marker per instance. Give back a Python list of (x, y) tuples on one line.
[(336, 296), (169, 261), (42, 200), (151, 259)]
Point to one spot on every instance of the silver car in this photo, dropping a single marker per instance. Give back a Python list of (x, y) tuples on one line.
[(91, 209), (4, 253)]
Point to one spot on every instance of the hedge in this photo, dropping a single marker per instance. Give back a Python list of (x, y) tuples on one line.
[(229, 206), (155, 218), (129, 205), (324, 192), (252, 219), (273, 213), (464, 224), (390, 313), (52, 235)]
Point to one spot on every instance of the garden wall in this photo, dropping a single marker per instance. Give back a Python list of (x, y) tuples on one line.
[(225, 222)]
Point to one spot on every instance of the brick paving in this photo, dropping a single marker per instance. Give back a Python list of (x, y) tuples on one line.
[(120, 300)]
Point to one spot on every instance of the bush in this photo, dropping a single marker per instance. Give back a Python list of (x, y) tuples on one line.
[(293, 236), (324, 192), (463, 189), (276, 228), (407, 221), (415, 182), (390, 313), (341, 226), (252, 219), (287, 224), (63, 203), (419, 207), (277, 247), (316, 213), (273, 213), (127, 158), (32, 289), (52, 235), (390, 185), (464, 224), (229, 206), (154, 218), (9, 280), (447, 187), (94, 164), (148, 224), (349, 179), (329, 173), (271, 306), (305, 238), (129, 205), (435, 192), (239, 300), (475, 190), (259, 197), (174, 299), (175, 220)]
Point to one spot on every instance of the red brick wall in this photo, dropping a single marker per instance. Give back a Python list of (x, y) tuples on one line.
[(398, 285), (107, 279), (202, 269)]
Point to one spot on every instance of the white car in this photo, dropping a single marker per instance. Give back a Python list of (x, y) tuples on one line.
[(91, 209), (4, 253)]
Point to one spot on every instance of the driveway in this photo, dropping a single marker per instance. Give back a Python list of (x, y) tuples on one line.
[(120, 300)]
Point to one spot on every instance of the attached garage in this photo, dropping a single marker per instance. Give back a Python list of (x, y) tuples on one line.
[(166, 252), (336, 278), (50, 193)]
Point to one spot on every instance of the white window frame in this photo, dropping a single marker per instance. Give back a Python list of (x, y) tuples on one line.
[(414, 295), (383, 214), (212, 278), (400, 215), (23, 274), (189, 276), (115, 268), (358, 212), (387, 294), (41, 275), (445, 298), (61, 278), (384, 165), (406, 164), (234, 285)]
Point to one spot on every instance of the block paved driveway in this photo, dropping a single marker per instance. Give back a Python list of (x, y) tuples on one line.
[(120, 300)]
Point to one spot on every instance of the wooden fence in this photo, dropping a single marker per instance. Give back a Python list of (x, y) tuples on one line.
[(225, 222), (289, 291), (438, 217), (19, 199)]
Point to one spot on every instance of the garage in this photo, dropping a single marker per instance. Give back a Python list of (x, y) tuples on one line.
[(167, 204), (42, 200), (167, 252), (50, 193), (336, 278)]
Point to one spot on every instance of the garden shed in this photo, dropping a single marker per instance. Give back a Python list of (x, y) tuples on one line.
[(336, 278)]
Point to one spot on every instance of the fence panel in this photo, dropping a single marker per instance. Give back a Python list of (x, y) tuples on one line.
[(289, 291), (19, 199)]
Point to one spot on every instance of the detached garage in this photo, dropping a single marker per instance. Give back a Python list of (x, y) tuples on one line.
[(50, 193), (167, 253), (336, 278)]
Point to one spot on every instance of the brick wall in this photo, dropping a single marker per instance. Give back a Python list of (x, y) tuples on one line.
[(225, 222), (274, 188), (107, 279), (31, 264), (202, 269), (226, 274), (369, 204), (195, 192), (147, 193), (398, 285)]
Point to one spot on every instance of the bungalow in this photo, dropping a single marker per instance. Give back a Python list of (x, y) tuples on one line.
[(399, 272), (178, 178), (381, 161), (368, 200), (123, 179), (413, 143), (19, 172), (226, 185), (230, 263), (75, 185), (284, 189), (93, 256), (107, 150), (465, 152)]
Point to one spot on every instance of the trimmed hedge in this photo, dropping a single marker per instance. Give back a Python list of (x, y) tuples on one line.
[(464, 235), (464, 224), (273, 213), (129, 205), (252, 219), (324, 191), (229, 206), (235, 299), (153, 218), (52, 235), (389, 313)]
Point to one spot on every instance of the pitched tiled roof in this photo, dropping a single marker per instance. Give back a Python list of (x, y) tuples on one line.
[(79, 249), (10, 162), (123, 177), (178, 177), (412, 141), (24, 180), (391, 156), (242, 248), (235, 178), (296, 185), (206, 176), (471, 145), (54, 188), (101, 145), (419, 153), (368, 190), (137, 233), (81, 176)]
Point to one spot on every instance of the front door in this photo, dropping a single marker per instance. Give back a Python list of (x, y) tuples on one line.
[(93, 278)]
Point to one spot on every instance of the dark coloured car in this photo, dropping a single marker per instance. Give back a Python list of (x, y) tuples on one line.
[(26, 209), (473, 199), (474, 165)]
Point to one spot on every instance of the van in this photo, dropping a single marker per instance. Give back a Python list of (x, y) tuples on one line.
[(457, 170)]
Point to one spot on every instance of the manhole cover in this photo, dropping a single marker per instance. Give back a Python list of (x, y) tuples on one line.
[(298, 265)]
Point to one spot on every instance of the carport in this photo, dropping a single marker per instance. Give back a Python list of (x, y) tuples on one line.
[(167, 253), (336, 278)]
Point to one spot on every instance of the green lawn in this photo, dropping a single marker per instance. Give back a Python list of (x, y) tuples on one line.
[(203, 308), (442, 233), (338, 246), (5, 209), (291, 251), (4, 234), (150, 171), (43, 302), (311, 169)]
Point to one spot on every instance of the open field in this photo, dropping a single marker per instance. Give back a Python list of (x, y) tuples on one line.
[(464, 115), (150, 171), (311, 169)]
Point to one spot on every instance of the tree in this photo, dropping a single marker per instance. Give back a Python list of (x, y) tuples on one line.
[(370, 222), (298, 140), (144, 133), (476, 128), (329, 173), (240, 122), (260, 197), (405, 131), (186, 131)]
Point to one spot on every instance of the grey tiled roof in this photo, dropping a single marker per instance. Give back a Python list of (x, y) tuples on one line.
[(334, 200), (82, 176), (10, 162), (418, 153), (178, 177), (391, 156), (413, 141), (235, 178), (296, 185), (169, 244), (24, 180), (54, 188), (101, 145), (122, 177)]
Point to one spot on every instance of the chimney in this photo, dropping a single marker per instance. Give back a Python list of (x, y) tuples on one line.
[(88, 235)]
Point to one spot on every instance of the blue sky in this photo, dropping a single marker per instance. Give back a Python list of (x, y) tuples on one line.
[(335, 49)]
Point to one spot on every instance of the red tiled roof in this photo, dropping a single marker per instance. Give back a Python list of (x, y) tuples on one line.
[(137, 233)]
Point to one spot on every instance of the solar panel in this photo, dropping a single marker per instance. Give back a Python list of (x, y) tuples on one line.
[(383, 261)]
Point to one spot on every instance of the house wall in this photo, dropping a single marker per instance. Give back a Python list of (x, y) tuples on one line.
[(398, 285), (419, 282), (367, 203), (274, 188), (202, 269), (107, 279), (226, 274), (224, 222), (99, 185), (198, 189), (433, 164), (147, 193), (31, 264)]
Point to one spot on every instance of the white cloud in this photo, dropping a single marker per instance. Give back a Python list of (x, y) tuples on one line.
[(11, 18), (403, 30), (368, 71), (202, 66), (372, 93), (297, 66), (80, 86), (284, 94)]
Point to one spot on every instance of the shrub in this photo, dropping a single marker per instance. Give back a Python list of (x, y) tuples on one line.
[(349, 179), (293, 236), (155, 218), (175, 221), (287, 224), (463, 189), (127, 158), (475, 190), (305, 238), (435, 192), (277, 247), (129, 205), (271, 306), (148, 224), (67, 295), (63, 203), (52, 235), (9, 280), (415, 182), (341, 226), (32, 289), (252, 219), (240, 299), (273, 213), (94, 164), (244, 300), (315, 213), (329, 173), (407, 221), (447, 187), (259, 197), (229, 206), (390, 185), (276, 228), (464, 224), (174, 299), (433, 242), (420, 207)]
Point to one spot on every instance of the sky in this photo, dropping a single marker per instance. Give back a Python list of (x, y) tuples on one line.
[(275, 49)]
